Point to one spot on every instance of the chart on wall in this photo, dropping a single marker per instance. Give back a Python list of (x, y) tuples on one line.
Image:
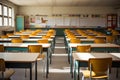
[(80, 20), (37, 21)]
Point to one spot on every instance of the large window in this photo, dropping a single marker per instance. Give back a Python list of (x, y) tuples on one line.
[(0, 9), (5, 15), (0, 21)]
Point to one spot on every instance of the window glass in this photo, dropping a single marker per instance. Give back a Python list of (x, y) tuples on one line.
[(0, 21), (0, 9), (10, 22), (10, 12), (5, 10), (5, 21)]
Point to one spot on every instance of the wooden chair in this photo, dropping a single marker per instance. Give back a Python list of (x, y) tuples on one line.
[(45, 37), (24, 36), (90, 37), (110, 39), (9, 34), (97, 41), (16, 40), (38, 49), (5, 74), (1, 48), (98, 68), (83, 48), (4, 36), (43, 41), (75, 40)]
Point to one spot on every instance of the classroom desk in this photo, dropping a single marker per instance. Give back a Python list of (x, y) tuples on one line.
[(23, 48), (18, 36), (24, 40), (21, 60), (83, 40), (82, 58), (8, 40), (107, 47)]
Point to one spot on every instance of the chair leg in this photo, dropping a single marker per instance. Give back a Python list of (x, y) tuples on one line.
[(44, 65), (25, 73)]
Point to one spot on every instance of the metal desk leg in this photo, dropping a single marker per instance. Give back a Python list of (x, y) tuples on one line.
[(47, 68), (35, 70), (31, 71)]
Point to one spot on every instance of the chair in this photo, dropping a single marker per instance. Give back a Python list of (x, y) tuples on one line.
[(16, 40), (2, 48), (97, 41), (83, 48), (24, 36), (75, 40), (4, 36), (98, 68), (43, 41), (46, 41), (37, 49), (45, 37), (90, 37), (5, 74), (9, 34), (110, 39)]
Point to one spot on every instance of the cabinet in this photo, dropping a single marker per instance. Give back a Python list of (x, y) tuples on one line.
[(19, 23), (112, 21)]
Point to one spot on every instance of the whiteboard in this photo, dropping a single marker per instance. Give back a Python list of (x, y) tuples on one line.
[(93, 22)]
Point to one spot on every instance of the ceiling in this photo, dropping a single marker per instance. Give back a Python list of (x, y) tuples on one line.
[(109, 3)]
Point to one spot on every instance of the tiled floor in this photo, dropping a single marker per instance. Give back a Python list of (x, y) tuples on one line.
[(59, 69)]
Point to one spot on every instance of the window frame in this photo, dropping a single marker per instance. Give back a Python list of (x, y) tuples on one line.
[(8, 16)]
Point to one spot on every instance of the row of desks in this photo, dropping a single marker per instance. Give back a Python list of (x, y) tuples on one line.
[(95, 48), (81, 60), (23, 47), (19, 59)]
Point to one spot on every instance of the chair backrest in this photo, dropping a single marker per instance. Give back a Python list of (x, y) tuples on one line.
[(16, 40), (110, 39), (43, 41), (100, 65), (4, 36), (97, 41), (2, 48), (2, 65), (90, 37), (9, 34), (24, 36), (35, 48), (45, 37), (83, 48), (75, 41)]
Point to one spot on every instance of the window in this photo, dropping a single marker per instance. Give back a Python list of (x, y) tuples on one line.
[(0, 9), (0, 21), (6, 15), (10, 22), (5, 11), (5, 22), (10, 12)]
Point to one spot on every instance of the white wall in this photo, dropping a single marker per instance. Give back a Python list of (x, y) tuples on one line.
[(65, 10), (70, 21)]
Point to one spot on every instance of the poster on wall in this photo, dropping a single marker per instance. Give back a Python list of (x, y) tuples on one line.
[(35, 21)]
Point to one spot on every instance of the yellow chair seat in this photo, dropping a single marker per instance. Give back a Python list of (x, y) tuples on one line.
[(86, 74)]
